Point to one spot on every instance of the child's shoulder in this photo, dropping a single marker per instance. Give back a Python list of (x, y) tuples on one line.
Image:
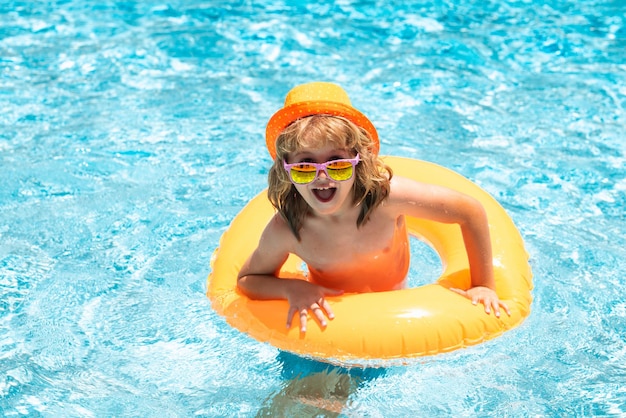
[(277, 233), (401, 187), (277, 225)]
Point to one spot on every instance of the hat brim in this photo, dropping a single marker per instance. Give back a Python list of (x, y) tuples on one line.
[(289, 114)]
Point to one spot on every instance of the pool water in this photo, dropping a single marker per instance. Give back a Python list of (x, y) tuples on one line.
[(133, 132)]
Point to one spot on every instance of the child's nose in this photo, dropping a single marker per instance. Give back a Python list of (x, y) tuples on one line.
[(322, 173)]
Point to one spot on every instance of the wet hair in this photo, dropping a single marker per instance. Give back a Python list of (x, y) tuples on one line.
[(372, 176)]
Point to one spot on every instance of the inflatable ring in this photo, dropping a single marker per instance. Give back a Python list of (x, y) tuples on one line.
[(392, 325)]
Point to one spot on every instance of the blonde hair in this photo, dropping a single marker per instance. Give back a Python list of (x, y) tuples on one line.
[(372, 176)]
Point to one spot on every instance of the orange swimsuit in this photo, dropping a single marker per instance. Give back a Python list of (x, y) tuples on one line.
[(377, 272)]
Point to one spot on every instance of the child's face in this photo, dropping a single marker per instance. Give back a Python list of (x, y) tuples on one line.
[(324, 195)]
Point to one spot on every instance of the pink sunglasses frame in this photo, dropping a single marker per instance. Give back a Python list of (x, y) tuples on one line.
[(322, 167)]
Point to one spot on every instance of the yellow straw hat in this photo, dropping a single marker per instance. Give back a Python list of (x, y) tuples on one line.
[(317, 98)]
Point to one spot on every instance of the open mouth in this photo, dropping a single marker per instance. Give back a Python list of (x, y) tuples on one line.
[(324, 194)]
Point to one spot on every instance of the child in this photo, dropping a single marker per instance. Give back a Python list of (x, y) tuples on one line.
[(342, 211)]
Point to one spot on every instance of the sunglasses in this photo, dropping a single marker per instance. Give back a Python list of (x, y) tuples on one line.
[(306, 172)]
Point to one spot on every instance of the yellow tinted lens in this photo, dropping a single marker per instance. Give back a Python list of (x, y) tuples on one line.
[(303, 173), (340, 170)]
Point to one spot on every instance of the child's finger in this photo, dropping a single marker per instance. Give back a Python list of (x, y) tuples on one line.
[(319, 314), (290, 314), (496, 310), (487, 307), (303, 317), (326, 306), (332, 292), (506, 308), (459, 291)]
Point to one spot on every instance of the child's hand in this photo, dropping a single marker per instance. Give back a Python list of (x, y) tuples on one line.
[(486, 296), (303, 297)]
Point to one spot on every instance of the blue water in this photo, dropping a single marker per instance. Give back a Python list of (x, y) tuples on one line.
[(131, 133)]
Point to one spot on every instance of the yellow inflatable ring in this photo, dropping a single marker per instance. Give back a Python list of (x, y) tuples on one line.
[(399, 324)]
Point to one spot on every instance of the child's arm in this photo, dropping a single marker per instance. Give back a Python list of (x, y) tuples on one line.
[(257, 278), (448, 206), (475, 230)]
